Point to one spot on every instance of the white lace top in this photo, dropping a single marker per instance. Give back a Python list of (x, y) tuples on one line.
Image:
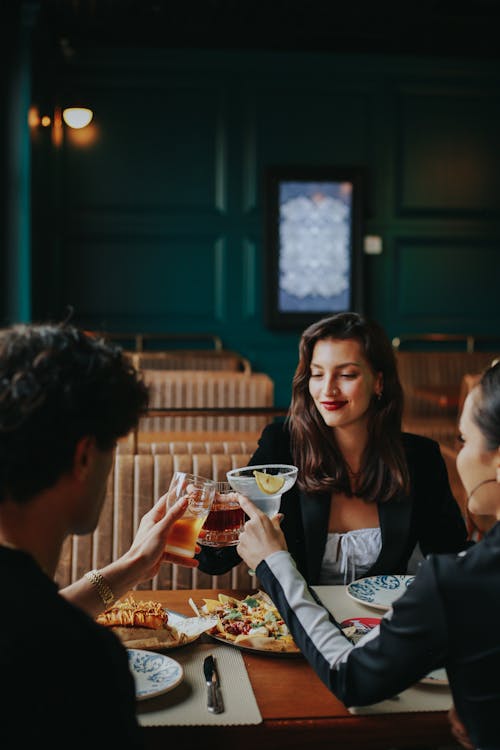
[(350, 555)]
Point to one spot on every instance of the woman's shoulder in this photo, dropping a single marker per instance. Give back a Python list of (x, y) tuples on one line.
[(274, 445), (418, 444), (277, 432)]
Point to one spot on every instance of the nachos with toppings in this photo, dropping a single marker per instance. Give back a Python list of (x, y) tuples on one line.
[(253, 622)]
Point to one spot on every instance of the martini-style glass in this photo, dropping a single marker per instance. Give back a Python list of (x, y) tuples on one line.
[(263, 485)]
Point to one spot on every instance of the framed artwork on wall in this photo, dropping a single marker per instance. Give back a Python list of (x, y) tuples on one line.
[(313, 231)]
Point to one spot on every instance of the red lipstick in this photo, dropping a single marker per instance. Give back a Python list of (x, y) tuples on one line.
[(333, 405)]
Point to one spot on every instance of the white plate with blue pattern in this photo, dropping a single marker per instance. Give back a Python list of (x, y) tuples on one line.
[(379, 592), (153, 673)]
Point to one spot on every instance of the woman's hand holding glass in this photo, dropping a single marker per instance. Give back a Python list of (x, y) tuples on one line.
[(261, 535)]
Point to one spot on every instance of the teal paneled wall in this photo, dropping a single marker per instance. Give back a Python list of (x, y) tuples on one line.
[(153, 219), (450, 161)]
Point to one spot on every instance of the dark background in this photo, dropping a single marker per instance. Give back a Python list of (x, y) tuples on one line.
[(153, 218)]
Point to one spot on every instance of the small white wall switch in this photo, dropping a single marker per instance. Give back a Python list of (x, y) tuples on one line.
[(372, 244)]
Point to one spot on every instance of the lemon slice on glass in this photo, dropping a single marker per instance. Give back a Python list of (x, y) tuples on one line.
[(268, 483)]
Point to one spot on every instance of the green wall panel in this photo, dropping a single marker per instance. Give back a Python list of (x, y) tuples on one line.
[(172, 282), (153, 148), (450, 159), (314, 126), (157, 222), (440, 278)]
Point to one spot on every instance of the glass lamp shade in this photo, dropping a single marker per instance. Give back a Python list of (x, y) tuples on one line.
[(77, 117)]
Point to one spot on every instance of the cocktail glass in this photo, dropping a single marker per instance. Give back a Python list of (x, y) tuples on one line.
[(244, 480)]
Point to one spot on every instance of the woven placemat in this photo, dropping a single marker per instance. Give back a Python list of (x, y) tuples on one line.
[(186, 705)]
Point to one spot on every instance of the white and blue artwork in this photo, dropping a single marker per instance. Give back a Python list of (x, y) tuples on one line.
[(315, 231)]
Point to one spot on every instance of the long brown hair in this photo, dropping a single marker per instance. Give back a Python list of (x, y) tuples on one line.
[(322, 467)]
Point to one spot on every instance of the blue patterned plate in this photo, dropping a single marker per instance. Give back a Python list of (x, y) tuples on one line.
[(154, 673), (379, 592)]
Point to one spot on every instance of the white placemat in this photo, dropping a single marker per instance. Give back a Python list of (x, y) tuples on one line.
[(187, 704), (416, 698)]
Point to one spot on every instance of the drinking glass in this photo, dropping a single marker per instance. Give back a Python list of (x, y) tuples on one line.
[(182, 536), (243, 480), (225, 520)]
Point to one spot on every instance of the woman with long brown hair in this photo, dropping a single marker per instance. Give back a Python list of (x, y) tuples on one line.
[(366, 494)]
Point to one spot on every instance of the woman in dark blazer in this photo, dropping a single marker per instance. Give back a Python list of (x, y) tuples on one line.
[(366, 493), (446, 618), (428, 514)]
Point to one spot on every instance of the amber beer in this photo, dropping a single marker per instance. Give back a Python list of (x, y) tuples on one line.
[(183, 535), (181, 539)]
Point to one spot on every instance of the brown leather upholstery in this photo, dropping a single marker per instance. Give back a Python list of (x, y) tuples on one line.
[(134, 485)]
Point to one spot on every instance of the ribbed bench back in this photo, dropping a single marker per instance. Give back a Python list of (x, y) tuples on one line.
[(191, 359), (436, 368), (189, 446), (134, 485), (194, 388)]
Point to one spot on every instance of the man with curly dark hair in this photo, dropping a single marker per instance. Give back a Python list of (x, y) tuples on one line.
[(65, 399)]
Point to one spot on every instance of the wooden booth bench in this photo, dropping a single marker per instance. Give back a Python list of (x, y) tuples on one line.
[(433, 385), (179, 447), (135, 483), (193, 389)]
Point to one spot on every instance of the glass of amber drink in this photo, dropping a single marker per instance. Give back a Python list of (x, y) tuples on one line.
[(183, 535), (225, 520)]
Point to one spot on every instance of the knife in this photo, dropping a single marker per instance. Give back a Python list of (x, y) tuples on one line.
[(215, 703)]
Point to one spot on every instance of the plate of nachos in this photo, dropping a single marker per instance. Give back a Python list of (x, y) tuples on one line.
[(251, 624), (148, 625)]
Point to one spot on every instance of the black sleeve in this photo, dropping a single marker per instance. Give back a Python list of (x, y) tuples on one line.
[(416, 631), (217, 560), (440, 525), (79, 672)]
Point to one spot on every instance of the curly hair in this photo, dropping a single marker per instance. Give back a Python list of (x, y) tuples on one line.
[(384, 470), (57, 385)]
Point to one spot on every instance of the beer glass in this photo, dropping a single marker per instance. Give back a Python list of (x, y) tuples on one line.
[(225, 520), (181, 538)]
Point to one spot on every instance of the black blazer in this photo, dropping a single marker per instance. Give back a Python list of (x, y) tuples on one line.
[(429, 515)]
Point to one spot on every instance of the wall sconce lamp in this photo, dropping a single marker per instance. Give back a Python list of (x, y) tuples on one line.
[(35, 118), (77, 117)]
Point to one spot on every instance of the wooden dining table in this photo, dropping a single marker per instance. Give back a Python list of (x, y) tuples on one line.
[(298, 711)]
